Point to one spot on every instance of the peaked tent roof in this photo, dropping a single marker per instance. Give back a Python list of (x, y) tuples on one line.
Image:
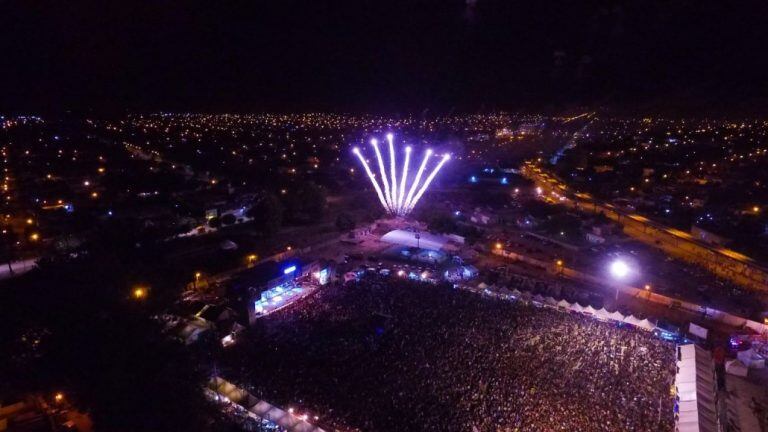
[(425, 240)]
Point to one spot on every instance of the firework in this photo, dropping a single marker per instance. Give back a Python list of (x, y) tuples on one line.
[(393, 196)]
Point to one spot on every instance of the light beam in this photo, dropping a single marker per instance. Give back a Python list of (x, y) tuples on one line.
[(393, 172), (415, 183), (428, 181), (404, 179), (387, 193), (372, 177)]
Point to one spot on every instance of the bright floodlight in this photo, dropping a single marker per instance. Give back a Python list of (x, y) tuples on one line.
[(619, 269), (393, 195)]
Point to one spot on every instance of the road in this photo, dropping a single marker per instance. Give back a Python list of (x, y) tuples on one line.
[(19, 268), (725, 263)]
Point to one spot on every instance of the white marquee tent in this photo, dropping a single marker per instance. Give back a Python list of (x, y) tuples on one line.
[(695, 386), (261, 409), (423, 240)]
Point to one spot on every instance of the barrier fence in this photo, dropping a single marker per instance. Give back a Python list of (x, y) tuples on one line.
[(706, 312)]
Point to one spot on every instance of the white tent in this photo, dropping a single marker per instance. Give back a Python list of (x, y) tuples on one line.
[(632, 320), (735, 367), (695, 387), (577, 308), (421, 240), (550, 301), (603, 314), (647, 325), (228, 245), (538, 298), (227, 391), (563, 304), (616, 316), (590, 310)]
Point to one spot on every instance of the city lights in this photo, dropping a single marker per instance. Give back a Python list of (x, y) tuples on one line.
[(393, 196)]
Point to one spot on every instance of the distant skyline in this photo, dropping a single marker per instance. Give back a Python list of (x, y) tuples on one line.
[(687, 56)]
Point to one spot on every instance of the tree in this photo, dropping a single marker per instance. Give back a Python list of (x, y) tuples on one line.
[(345, 222), (214, 222), (267, 214), (441, 222), (90, 340), (228, 219), (305, 202)]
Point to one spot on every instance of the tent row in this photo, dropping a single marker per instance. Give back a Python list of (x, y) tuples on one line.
[(259, 408), (601, 314), (695, 390)]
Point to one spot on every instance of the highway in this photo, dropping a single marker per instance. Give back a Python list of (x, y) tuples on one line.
[(725, 263)]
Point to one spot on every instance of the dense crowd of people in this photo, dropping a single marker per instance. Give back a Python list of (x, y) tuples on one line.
[(390, 354)]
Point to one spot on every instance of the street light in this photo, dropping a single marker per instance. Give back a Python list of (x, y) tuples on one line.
[(139, 293), (559, 266), (619, 269)]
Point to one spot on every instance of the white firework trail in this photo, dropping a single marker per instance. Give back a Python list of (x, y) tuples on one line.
[(387, 193), (418, 177), (427, 182), (393, 197), (372, 177), (405, 176), (392, 170)]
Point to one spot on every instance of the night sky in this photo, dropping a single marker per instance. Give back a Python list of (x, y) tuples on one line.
[(384, 56)]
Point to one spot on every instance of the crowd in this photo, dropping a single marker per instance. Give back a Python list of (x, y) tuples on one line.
[(390, 354)]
